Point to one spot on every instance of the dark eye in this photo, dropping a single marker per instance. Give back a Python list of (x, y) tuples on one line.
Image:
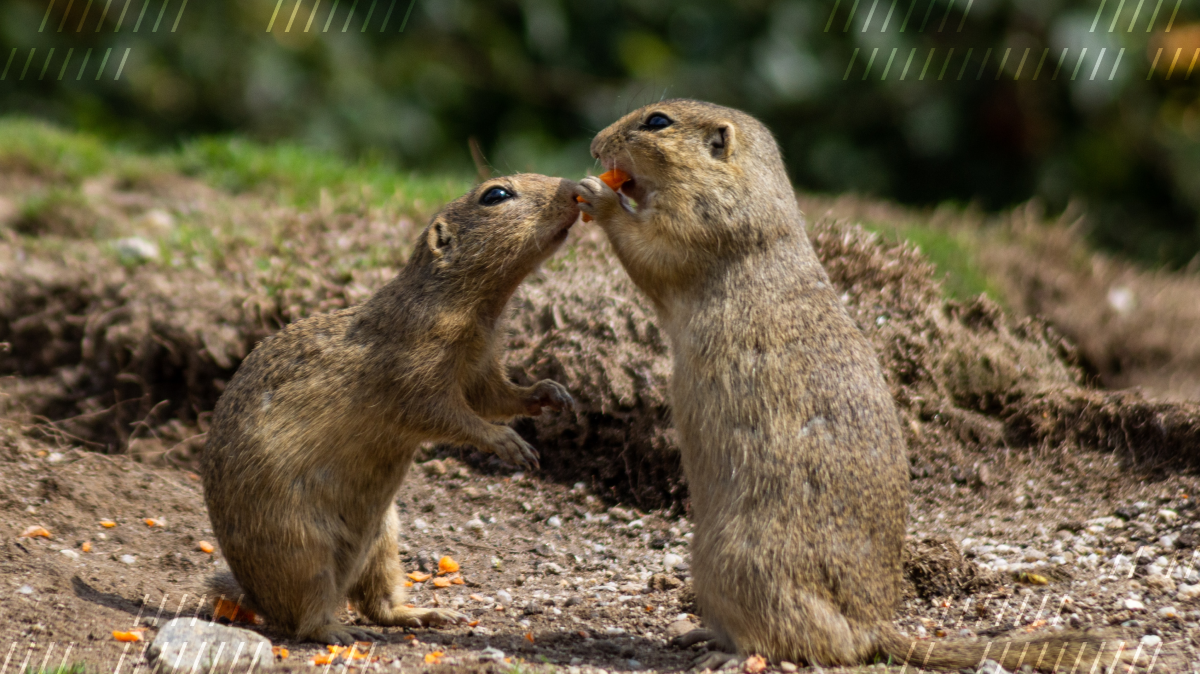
[(657, 121), (495, 196)]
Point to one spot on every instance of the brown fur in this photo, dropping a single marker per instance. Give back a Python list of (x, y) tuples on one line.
[(313, 437), (791, 445)]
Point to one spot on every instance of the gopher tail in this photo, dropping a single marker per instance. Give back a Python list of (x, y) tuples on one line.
[(1050, 652), (222, 585)]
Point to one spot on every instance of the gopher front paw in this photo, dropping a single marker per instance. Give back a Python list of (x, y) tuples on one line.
[(597, 199), (511, 447), (548, 393)]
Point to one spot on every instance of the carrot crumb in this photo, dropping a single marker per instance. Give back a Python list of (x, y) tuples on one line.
[(35, 531), (447, 565)]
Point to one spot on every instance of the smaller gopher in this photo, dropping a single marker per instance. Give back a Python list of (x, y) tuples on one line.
[(315, 433)]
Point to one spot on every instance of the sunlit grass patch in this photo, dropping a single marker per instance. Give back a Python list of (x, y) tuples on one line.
[(953, 252), (299, 174)]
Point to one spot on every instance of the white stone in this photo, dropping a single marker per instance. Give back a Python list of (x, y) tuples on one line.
[(135, 249), (555, 521), (504, 597), (991, 667), (671, 561), (1167, 515), (1167, 612), (128, 559), (70, 553), (1034, 555), (1151, 640), (1188, 592), (187, 645), (420, 524), (1131, 605)]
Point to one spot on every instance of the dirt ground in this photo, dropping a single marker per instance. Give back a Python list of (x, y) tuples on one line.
[(1040, 499), (558, 577)]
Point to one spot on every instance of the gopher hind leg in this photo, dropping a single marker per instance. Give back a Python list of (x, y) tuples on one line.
[(379, 592), (295, 588)]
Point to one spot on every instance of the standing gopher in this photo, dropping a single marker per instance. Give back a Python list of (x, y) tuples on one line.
[(791, 445), (313, 437)]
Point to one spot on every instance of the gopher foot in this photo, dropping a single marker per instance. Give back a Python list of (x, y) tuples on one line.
[(511, 447), (425, 617), (343, 635), (548, 393), (715, 660), (696, 636)]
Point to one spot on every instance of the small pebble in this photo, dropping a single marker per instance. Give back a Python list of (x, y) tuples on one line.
[(621, 514), (420, 524), (1131, 605), (135, 249), (128, 559), (25, 589), (434, 468), (504, 597), (671, 561), (786, 666), (554, 521), (991, 667), (679, 628), (1151, 640), (70, 553), (633, 664)]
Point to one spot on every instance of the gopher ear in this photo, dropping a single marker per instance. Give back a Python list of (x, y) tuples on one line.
[(441, 239), (721, 141)]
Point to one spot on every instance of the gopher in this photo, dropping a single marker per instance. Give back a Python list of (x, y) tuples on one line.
[(790, 439), (313, 436)]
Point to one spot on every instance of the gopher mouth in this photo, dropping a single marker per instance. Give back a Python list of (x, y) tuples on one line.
[(633, 194)]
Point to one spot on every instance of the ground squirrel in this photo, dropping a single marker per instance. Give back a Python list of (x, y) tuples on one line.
[(315, 433), (790, 439)]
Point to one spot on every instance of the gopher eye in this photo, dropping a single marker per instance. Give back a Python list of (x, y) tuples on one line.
[(495, 196), (657, 121)]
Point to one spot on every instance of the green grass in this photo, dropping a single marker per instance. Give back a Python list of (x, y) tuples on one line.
[(289, 173), (953, 253), (299, 174), (293, 175)]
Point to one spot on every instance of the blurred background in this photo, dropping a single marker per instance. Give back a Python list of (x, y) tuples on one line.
[(982, 102)]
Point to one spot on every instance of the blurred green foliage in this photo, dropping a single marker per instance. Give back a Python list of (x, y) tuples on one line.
[(1117, 127)]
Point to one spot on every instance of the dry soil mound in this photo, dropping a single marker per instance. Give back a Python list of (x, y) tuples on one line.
[(107, 350)]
